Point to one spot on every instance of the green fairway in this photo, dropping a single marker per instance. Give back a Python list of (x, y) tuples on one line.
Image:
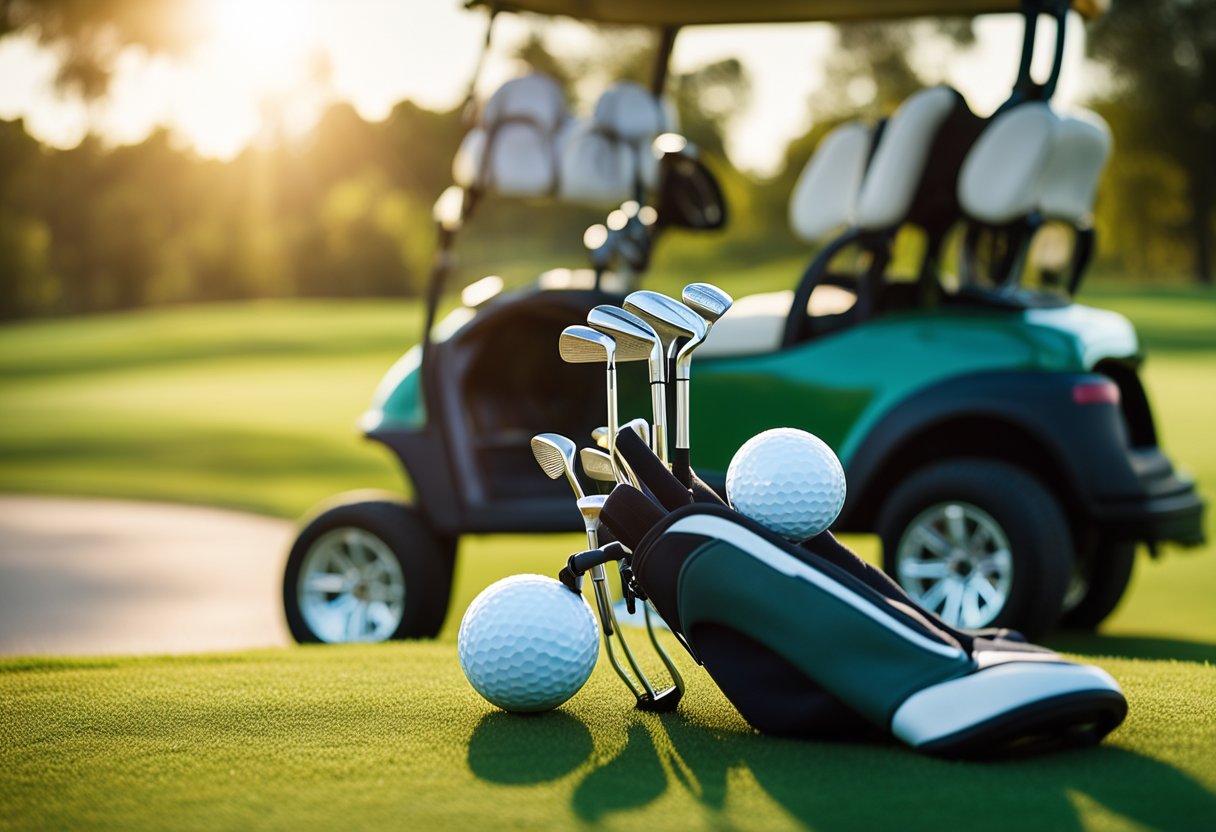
[(392, 736), (253, 406)]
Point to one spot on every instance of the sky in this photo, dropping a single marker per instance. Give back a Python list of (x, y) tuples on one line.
[(280, 62)]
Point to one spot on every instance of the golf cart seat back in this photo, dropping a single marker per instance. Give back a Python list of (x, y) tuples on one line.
[(858, 179), (511, 151), (607, 158), (777, 626), (825, 196), (1031, 161), (1079, 153), (898, 165)]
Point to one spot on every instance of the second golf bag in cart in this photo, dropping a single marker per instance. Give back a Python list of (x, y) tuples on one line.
[(997, 437)]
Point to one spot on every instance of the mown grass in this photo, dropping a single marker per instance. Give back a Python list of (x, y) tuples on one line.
[(391, 736), (253, 406)]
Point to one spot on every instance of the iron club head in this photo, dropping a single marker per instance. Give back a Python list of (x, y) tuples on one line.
[(597, 465), (635, 339), (555, 455), (670, 319), (708, 301)]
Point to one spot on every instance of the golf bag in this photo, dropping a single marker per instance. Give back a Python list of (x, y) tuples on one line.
[(812, 645)]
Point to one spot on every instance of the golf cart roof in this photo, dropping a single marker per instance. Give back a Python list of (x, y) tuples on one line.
[(694, 12)]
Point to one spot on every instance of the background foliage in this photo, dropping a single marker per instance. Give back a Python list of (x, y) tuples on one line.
[(345, 211)]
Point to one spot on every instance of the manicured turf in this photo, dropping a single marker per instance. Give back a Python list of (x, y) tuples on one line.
[(253, 406), (392, 737)]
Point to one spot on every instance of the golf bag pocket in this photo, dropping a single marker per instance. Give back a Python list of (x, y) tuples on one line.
[(802, 647)]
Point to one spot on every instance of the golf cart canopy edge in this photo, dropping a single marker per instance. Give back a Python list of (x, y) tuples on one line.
[(696, 12)]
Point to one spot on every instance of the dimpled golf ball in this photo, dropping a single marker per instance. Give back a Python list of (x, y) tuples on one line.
[(788, 481), (527, 643)]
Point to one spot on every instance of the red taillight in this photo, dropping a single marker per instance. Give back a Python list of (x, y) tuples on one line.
[(1095, 392)]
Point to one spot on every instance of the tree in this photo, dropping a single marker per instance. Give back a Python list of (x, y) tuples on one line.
[(1163, 60), (89, 34)]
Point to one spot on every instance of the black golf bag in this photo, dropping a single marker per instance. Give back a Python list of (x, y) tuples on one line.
[(811, 641)]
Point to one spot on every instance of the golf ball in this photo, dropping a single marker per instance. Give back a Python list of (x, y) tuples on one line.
[(527, 643), (788, 481)]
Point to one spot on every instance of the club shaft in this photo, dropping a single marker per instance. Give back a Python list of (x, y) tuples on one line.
[(609, 626), (676, 678), (613, 418), (680, 459), (658, 429)]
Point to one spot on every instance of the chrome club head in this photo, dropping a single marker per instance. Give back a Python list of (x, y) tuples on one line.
[(600, 436), (583, 345), (635, 339), (708, 301), (597, 465), (555, 455), (668, 317)]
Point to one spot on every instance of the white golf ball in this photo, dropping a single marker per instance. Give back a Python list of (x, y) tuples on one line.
[(527, 643), (788, 481)]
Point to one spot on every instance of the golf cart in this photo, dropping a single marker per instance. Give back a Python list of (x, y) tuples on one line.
[(995, 434)]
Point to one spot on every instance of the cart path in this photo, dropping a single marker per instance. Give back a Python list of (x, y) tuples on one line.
[(91, 577)]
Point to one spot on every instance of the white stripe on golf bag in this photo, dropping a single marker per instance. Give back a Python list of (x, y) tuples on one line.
[(949, 707), (785, 563)]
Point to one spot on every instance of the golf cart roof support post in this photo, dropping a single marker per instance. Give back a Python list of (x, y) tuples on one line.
[(1025, 88), (469, 110), (441, 266), (662, 60)]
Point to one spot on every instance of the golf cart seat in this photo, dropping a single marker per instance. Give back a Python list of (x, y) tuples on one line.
[(1032, 160), (603, 159), (1032, 166), (863, 180), (511, 151), (825, 195)]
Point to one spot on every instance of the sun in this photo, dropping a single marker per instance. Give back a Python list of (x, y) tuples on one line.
[(270, 42), (258, 74)]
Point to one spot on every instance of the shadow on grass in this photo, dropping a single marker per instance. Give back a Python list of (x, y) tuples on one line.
[(520, 749), (1133, 647), (836, 785)]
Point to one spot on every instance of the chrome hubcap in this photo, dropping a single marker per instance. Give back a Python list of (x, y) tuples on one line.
[(351, 587), (955, 560)]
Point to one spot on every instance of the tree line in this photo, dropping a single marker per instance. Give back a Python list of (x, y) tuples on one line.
[(346, 210)]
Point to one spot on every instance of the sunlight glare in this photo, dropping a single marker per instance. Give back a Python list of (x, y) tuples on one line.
[(269, 42)]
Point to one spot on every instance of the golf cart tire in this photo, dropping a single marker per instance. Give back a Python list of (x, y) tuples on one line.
[(1108, 570), (426, 560), (1040, 541)]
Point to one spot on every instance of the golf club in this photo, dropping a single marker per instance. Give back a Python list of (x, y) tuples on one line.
[(643, 691), (682, 331), (583, 345), (708, 301), (597, 466), (711, 303), (600, 436), (630, 330), (555, 455)]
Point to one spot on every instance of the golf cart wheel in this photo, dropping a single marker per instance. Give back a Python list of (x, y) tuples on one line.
[(1098, 583), (981, 544), (367, 570)]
